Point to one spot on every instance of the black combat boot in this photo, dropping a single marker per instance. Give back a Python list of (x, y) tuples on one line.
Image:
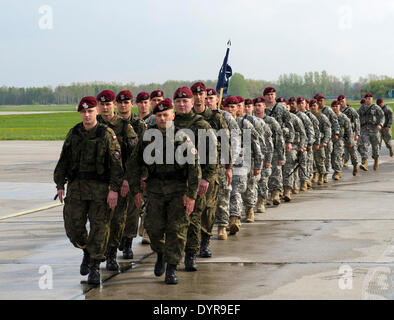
[(190, 262), (121, 244), (160, 265), (127, 251), (205, 252), (112, 264), (94, 273), (84, 269), (171, 277)]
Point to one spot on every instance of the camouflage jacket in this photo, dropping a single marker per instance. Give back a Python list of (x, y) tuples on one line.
[(354, 119), (308, 126), (300, 135), (371, 116), (282, 115), (89, 163), (315, 124), (327, 111), (277, 136), (324, 126), (138, 124), (165, 176), (345, 129), (388, 116), (150, 120)]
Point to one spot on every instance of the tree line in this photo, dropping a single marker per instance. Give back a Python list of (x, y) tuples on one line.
[(287, 85)]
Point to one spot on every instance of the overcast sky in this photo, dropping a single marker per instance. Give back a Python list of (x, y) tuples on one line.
[(50, 42)]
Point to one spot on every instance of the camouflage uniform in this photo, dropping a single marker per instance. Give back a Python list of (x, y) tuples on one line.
[(355, 122), (166, 220), (316, 130), (293, 156), (271, 178), (388, 121), (150, 120), (310, 135), (209, 173), (223, 204), (345, 137), (370, 117), (90, 163), (127, 140), (327, 111), (319, 156)]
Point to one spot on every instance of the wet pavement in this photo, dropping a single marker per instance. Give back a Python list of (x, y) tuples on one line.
[(333, 242)]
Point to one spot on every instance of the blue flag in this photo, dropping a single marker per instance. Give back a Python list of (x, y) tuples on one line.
[(224, 74)]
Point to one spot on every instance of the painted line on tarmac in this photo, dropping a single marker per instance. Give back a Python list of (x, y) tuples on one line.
[(30, 211)]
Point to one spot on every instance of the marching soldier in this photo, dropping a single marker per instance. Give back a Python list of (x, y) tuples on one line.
[(355, 122), (127, 140), (171, 188), (388, 121), (371, 121), (144, 107), (316, 130), (155, 97), (91, 165)]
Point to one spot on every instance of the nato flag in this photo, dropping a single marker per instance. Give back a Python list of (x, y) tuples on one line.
[(225, 73)]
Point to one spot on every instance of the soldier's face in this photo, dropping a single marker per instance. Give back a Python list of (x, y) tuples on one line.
[(249, 109), (143, 106), (270, 97), (293, 106), (124, 106), (154, 101), (368, 100), (321, 103), (301, 106), (199, 98), (183, 105), (241, 109), (89, 116), (212, 102), (314, 107), (336, 108), (259, 108), (232, 108), (343, 103), (107, 108), (164, 118)]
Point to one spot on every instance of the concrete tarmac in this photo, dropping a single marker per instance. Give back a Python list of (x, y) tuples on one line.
[(333, 242)]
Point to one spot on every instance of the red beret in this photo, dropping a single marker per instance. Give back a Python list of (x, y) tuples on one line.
[(183, 92), (368, 95), (300, 99), (268, 90), (341, 97), (240, 99), (258, 100), (163, 105), (156, 93), (198, 87), (334, 103), (124, 95), (281, 99), (379, 100), (319, 96), (312, 101), (248, 101), (307, 101), (87, 102), (211, 92), (106, 96), (292, 99), (362, 101), (142, 96), (230, 100)]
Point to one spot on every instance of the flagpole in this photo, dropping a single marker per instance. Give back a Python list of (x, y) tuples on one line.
[(220, 98)]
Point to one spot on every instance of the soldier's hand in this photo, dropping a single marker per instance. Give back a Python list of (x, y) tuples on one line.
[(281, 162), (143, 184), (379, 127), (387, 130), (60, 194), (256, 172), (204, 184), (301, 150), (324, 145), (267, 164), (316, 147), (189, 204), (349, 145), (124, 190), (112, 199), (138, 200), (335, 137), (229, 176), (355, 137), (289, 147)]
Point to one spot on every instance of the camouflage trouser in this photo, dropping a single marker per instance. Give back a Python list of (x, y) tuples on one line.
[(193, 238), (309, 163), (302, 172), (337, 155), (291, 158), (166, 218), (239, 185), (249, 197), (118, 220), (223, 204), (351, 153), (76, 213), (328, 151), (369, 135), (132, 216), (208, 214), (263, 182), (386, 137), (275, 181), (319, 158)]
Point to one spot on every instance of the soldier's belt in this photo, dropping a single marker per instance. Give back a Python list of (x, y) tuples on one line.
[(92, 176)]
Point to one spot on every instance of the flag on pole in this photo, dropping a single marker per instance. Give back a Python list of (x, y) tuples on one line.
[(224, 74)]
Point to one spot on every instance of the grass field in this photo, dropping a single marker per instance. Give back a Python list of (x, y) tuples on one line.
[(53, 126)]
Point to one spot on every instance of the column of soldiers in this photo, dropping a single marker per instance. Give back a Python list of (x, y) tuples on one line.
[(242, 155)]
